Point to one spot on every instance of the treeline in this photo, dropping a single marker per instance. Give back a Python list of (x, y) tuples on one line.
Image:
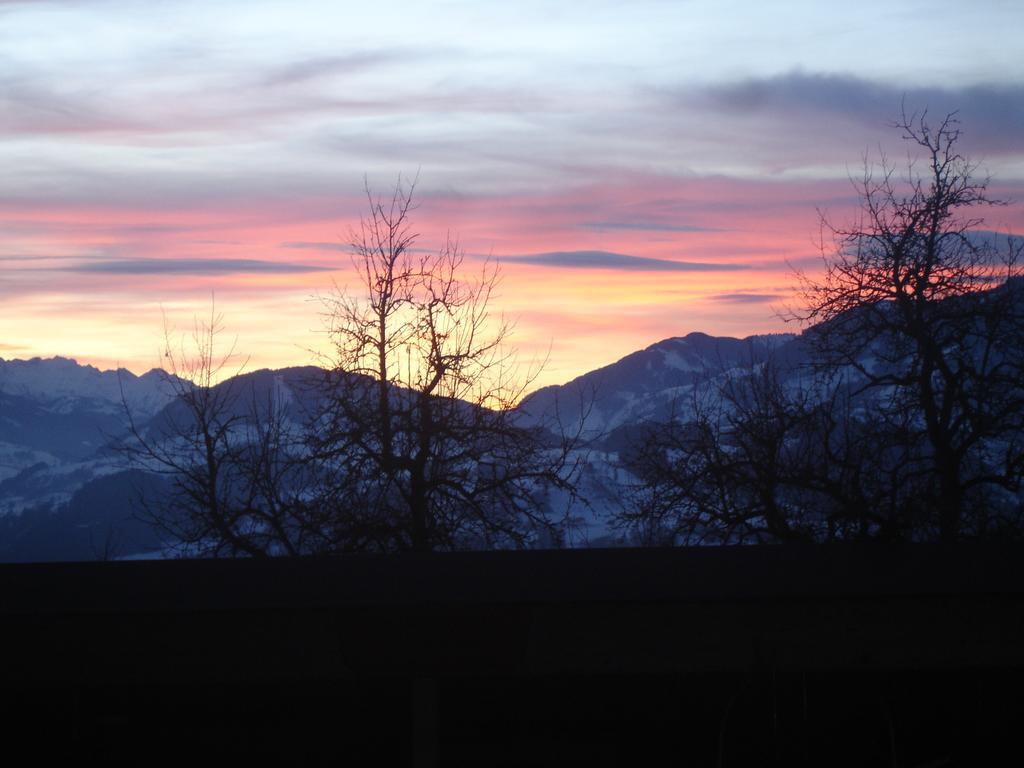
[(907, 424)]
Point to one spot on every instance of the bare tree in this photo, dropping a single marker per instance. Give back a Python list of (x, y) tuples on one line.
[(900, 307), (227, 456), (765, 454), (417, 442), (908, 423), (412, 441), (730, 465)]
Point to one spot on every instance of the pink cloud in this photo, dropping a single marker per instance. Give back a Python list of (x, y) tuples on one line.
[(588, 317)]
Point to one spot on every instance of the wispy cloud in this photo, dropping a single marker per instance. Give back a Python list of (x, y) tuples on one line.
[(139, 150), (316, 246), (10, 257), (646, 226), (993, 113), (195, 267), (617, 261), (316, 67), (747, 298)]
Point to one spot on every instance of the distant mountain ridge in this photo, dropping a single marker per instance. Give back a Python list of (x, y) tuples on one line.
[(642, 385), (54, 411), (60, 478), (59, 380), (65, 491)]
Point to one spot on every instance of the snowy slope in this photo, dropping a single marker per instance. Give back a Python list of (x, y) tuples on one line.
[(64, 493), (56, 418), (54, 411), (62, 384), (645, 385)]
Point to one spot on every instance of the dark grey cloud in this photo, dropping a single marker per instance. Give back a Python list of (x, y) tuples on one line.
[(194, 267), (646, 226), (156, 229), (992, 114), (747, 298), (316, 246), (619, 261), (992, 238)]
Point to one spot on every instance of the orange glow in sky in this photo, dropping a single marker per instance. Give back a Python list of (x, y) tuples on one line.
[(639, 170), (96, 283)]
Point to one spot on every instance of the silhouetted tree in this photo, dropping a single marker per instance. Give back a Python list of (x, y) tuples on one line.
[(899, 308), (412, 440), (739, 461), (909, 423), (234, 476), (417, 440)]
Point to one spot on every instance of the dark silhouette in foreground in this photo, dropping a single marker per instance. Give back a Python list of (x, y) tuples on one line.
[(897, 415), (407, 439), (819, 655), (902, 417)]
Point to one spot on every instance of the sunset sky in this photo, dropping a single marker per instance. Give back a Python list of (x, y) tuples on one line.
[(639, 169)]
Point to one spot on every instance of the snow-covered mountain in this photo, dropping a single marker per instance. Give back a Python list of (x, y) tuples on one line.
[(644, 385), (64, 386), (56, 411), (57, 422), (64, 493), (61, 480)]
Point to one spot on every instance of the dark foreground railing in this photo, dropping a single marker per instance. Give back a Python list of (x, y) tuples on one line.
[(825, 655)]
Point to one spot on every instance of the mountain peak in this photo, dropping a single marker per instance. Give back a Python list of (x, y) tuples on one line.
[(47, 380), (642, 384)]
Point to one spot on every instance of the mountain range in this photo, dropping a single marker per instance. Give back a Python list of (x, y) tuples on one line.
[(67, 493)]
